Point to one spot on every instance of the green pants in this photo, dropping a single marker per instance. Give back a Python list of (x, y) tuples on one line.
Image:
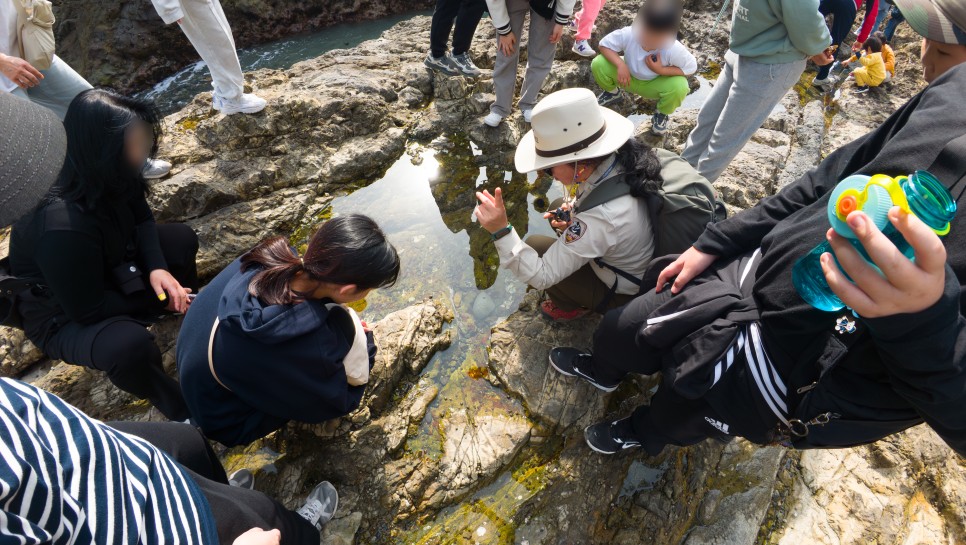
[(668, 91)]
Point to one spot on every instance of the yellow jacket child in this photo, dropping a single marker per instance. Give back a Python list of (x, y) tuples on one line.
[(872, 72)]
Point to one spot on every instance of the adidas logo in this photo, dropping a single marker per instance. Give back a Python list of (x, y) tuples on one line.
[(721, 426)]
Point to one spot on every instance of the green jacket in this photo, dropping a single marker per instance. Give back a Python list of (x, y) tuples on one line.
[(778, 31)]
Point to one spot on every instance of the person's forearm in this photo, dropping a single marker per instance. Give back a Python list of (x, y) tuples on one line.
[(671, 71), (612, 56)]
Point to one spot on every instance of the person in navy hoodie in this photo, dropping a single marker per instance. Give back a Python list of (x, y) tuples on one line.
[(269, 340)]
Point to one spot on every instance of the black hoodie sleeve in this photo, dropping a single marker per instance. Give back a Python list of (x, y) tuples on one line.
[(925, 355), (910, 139), (150, 256)]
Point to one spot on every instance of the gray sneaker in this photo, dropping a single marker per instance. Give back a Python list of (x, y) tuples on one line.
[(444, 65), (243, 478), (320, 506), (659, 123), (465, 65), (609, 97)]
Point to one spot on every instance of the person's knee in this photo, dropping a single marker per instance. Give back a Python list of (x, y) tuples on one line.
[(123, 348), (539, 243), (600, 67), (182, 238), (678, 87)]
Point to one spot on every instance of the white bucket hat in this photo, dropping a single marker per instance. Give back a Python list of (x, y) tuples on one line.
[(570, 126)]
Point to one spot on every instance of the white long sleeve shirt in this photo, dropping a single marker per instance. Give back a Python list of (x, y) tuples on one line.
[(500, 15), (618, 231)]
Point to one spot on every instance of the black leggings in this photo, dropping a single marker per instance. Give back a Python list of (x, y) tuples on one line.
[(843, 18), (466, 13), (236, 510), (123, 348)]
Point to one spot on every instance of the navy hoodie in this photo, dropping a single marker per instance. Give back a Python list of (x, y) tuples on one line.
[(276, 362)]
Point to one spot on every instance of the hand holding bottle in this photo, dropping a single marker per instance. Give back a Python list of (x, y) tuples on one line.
[(903, 286)]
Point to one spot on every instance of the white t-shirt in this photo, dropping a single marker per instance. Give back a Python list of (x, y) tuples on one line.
[(8, 38), (674, 54)]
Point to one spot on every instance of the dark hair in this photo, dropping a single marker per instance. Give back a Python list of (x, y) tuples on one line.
[(96, 170), (348, 249), (881, 36), (661, 15), (874, 44), (635, 156)]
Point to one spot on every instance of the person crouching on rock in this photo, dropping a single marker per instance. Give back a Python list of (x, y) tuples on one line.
[(269, 340), (105, 268), (606, 236), (740, 350)]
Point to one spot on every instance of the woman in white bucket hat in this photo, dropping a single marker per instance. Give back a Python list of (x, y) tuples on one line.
[(585, 146)]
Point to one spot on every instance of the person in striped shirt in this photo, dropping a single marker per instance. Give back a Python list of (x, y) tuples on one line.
[(66, 478)]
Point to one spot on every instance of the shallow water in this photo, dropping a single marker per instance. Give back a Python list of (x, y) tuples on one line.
[(175, 91)]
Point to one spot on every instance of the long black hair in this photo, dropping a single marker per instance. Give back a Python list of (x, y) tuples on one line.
[(640, 159), (349, 249), (97, 172)]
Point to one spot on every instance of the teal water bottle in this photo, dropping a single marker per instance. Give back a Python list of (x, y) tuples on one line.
[(920, 194)]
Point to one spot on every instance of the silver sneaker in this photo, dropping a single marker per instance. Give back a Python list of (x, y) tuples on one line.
[(320, 506), (155, 168), (444, 65), (465, 65)]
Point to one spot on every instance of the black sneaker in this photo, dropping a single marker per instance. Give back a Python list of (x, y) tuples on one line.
[(659, 123), (444, 65), (566, 361), (861, 89), (465, 65), (607, 97), (611, 437)]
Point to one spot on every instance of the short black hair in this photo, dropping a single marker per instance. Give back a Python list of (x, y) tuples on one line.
[(661, 15), (96, 172), (873, 43)]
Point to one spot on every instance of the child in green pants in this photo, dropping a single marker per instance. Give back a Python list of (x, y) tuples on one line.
[(655, 65)]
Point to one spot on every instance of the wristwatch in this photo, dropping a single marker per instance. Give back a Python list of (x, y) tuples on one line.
[(502, 232)]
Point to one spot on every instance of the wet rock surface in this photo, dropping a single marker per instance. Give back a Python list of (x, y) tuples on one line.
[(501, 458)]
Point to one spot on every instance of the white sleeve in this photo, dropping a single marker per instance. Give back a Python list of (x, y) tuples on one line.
[(169, 10), (564, 9), (617, 40), (683, 59), (587, 237), (499, 15)]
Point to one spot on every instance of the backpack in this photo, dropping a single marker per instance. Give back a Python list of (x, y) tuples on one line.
[(679, 211), (11, 287)]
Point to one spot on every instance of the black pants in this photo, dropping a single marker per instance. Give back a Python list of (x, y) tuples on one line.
[(123, 348), (466, 14), (236, 510), (619, 349), (843, 17)]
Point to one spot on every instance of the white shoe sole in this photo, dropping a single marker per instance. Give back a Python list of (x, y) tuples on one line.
[(494, 125), (582, 54), (232, 111)]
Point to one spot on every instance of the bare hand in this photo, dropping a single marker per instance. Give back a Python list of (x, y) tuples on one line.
[(167, 288), (856, 46), (654, 64), (508, 44), (20, 71), (823, 58), (623, 75), (491, 212), (556, 33), (558, 225), (257, 536), (904, 286), (683, 270)]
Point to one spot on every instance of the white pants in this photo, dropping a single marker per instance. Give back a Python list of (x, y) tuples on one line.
[(58, 88), (207, 29)]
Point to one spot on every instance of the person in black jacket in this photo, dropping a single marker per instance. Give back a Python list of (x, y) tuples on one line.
[(742, 354), (268, 340), (105, 268)]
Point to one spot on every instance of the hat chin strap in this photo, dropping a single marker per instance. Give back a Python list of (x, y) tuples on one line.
[(583, 144)]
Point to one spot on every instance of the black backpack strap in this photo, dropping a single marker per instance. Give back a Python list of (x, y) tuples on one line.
[(950, 166), (619, 272)]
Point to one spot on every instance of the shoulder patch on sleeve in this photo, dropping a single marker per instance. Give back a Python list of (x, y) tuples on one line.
[(576, 230)]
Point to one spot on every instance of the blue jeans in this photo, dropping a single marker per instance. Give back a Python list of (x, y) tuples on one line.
[(58, 88), (895, 18)]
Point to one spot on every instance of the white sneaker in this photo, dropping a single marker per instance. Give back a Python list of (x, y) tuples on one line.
[(582, 48), (493, 119), (527, 114), (155, 168), (245, 104)]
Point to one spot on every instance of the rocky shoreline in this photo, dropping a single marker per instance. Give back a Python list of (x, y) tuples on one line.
[(509, 465)]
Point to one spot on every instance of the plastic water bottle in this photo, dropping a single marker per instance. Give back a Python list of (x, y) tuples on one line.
[(920, 194)]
